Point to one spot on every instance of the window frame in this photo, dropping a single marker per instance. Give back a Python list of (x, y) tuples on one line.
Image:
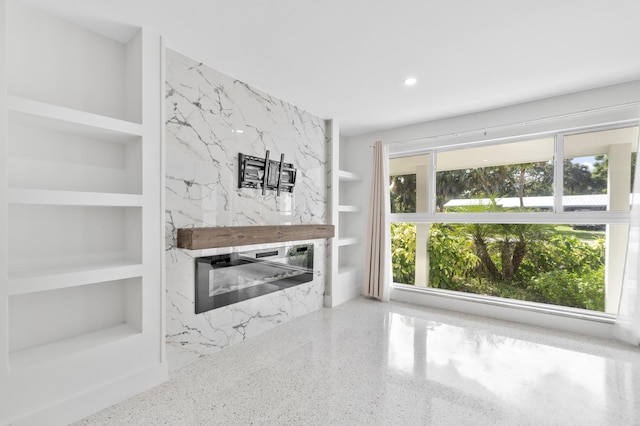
[(556, 216)]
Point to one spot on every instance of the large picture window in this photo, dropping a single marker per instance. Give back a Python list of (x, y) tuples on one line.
[(541, 220)]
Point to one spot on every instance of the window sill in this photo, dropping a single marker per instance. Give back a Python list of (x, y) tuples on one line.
[(581, 321)]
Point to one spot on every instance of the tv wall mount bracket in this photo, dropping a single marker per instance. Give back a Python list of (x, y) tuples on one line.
[(263, 173)]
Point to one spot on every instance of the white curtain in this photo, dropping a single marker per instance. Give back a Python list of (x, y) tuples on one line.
[(627, 327), (378, 262)]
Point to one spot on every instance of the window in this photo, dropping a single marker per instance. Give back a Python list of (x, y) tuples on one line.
[(405, 173), (541, 220), (598, 169), (514, 175)]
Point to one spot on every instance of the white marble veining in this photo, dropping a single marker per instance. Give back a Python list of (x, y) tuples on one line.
[(211, 118), (372, 363)]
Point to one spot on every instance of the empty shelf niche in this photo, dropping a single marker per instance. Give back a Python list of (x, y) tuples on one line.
[(343, 195), (55, 61), (48, 154), (51, 324), (53, 238)]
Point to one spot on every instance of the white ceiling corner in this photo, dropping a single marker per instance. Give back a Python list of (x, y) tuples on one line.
[(347, 59)]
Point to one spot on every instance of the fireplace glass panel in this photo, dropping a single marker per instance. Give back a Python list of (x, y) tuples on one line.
[(225, 279)]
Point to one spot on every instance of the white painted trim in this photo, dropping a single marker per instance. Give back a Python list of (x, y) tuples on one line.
[(4, 214), (571, 218), (558, 318), (161, 212)]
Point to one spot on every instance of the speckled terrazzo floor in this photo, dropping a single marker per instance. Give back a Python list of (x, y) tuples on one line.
[(372, 363)]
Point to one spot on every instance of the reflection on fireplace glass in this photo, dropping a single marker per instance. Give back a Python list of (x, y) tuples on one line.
[(230, 278)]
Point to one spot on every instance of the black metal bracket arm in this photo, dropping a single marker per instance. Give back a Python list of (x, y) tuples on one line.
[(255, 172)]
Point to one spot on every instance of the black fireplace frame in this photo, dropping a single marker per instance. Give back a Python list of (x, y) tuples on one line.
[(297, 259)]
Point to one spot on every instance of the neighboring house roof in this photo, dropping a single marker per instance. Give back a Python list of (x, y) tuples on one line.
[(594, 201)]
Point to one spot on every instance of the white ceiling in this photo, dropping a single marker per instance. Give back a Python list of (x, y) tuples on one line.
[(346, 59)]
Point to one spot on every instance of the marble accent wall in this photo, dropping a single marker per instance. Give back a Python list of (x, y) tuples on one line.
[(210, 118)]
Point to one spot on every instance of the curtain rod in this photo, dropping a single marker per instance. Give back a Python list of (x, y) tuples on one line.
[(484, 130)]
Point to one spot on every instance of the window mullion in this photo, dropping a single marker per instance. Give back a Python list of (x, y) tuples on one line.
[(558, 173), (431, 196)]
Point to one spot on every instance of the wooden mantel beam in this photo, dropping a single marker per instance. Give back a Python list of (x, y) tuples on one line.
[(230, 236)]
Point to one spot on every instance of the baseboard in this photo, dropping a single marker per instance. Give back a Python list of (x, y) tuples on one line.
[(347, 292), (97, 399)]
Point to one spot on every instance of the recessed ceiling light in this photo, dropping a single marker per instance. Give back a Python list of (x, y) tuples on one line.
[(410, 81)]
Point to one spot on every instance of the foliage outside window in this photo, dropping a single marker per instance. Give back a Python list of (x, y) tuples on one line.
[(550, 264)]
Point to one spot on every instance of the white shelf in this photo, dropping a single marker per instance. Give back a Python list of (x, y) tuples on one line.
[(72, 198), (345, 176), (43, 353), (348, 209), (347, 241), (52, 279), (53, 117)]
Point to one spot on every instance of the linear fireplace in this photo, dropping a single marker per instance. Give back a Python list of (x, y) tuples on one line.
[(225, 279)]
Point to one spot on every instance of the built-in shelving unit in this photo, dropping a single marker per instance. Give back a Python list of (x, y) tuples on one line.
[(81, 284), (345, 274)]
